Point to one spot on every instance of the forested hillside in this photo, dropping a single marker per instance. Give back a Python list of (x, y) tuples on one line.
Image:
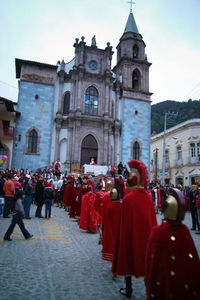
[(186, 110)]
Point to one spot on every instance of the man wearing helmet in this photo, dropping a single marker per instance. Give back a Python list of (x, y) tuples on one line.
[(137, 218)]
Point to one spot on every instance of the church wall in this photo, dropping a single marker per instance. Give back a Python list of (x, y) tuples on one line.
[(135, 126), (56, 104), (34, 114)]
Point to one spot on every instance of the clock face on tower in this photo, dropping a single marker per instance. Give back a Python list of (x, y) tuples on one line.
[(93, 65)]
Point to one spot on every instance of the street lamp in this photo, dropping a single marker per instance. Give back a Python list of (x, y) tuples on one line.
[(164, 143), (156, 163)]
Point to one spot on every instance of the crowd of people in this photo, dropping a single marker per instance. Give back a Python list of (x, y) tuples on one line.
[(122, 208)]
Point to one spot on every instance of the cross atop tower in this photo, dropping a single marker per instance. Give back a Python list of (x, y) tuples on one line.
[(131, 5)]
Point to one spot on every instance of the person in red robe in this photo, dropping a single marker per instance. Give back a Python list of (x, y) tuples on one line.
[(137, 219), (68, 193), (111, 220), (109, 184), (88, 216), (172, 262), (81, 192), (73, 197)]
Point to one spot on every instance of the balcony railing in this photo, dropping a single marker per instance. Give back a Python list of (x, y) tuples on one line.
[(8, 131), (194, 160)]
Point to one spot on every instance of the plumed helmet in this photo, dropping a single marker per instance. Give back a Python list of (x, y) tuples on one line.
[(139, 170), (174, 207), (109, 184), (92, 184), (117, 192)]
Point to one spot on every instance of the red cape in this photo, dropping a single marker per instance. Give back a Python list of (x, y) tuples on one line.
[(137, 219), (111, 224), (98, 206), (88, 219), (172, 264), (73, 198), (79, 194), (67, 195)]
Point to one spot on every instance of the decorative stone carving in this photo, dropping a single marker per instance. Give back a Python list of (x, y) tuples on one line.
[(37, 78)]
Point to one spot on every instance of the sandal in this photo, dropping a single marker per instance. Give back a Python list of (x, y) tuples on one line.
[(126, 292)]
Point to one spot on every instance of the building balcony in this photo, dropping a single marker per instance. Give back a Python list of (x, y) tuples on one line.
[(7, 132), (179, 162), (194, 160)]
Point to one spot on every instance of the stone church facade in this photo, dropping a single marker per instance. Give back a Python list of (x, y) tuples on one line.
[(84, 109)]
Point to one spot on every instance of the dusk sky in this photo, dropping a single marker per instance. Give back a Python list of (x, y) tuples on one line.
[(45, 31)]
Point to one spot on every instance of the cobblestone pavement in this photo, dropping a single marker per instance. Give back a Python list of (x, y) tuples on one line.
[(60, 262)]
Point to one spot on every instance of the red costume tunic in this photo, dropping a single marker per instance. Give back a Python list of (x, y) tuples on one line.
[(98, 206), (107, 200), (158, 198), (137, 219), (88, 219), (172, 264), (67, 197), (80, 192), (111, 225), (72, 196)]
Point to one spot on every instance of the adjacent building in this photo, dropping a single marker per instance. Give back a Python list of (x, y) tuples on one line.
[(84, 109), (8, 116), (182, 154)]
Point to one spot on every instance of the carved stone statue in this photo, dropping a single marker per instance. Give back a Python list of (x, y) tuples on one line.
[(63, 65), (94, 41)]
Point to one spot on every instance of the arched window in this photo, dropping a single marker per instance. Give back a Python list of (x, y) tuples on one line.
[(136, 151), (91, 101), (135, 80), (32, 141), (135, 51), (66, 103)]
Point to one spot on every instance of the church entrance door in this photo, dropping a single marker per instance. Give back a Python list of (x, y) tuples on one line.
[(89, 150)]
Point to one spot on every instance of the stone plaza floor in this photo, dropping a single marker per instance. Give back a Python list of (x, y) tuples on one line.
[(60, 262)]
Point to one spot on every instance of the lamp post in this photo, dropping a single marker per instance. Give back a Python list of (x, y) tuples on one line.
[(156, 164), (164, 143)]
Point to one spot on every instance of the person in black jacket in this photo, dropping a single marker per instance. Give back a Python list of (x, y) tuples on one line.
[(193, 194), (17, 217), (28, 189), (48, 199), (39, 198)]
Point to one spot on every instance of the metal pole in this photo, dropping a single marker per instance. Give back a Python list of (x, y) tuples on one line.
[(156, 164), (164, 142)]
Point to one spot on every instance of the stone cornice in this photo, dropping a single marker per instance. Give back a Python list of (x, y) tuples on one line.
[(130, 61)]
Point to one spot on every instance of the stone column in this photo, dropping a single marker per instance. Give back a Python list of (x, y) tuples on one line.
[(61, 75), (117, 102), (109, 147), (79, 93), (69, 145), (116, 147), (105, 144), (106, 96), (57, 142), (76, 142)]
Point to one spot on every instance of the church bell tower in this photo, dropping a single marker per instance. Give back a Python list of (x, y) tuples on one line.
[(132, 82)]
